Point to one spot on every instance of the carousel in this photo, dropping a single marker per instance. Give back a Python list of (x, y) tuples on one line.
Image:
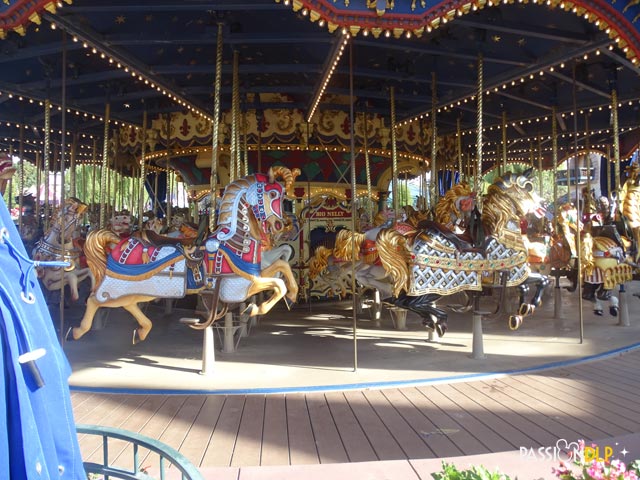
[(414, 171)]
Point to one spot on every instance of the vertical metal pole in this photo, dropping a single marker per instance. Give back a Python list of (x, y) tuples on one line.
[(143, 169), (105, 165), (169, 189), (459, 147), (72, 166), (616, 139), (47, 153), (504, 142), (21, 177), (479, 99), (587, 159), (579, 209), (215, 133), (608, 167), (63, 146), (540, 175), (94, 169), (434, 190), (367, 167), (38, 183), (245, 145), (554, 154), (394, 156), (233, 161), (10, 182), (354, 297)]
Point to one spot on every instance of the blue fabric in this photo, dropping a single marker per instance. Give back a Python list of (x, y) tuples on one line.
[(39, 441), (135, 271)]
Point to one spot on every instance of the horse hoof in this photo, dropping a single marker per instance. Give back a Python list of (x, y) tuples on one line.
[(526, 309), (68, 337), (249, 309), (427, 322), (515, 321), (136, 338), (598, 312), (613, 311), (441, 328), (289, 303)]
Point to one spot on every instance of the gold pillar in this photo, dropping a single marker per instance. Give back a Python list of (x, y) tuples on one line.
[(21, 177), (616, 139), (459, 148), (215, 132), (105, 166), (46, 159), (479, 100), (433, 197), (504, 142), (394, 155)]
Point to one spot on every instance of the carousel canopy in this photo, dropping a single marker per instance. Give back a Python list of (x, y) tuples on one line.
[(299, 56)]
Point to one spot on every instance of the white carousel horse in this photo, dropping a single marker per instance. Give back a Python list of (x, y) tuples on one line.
[(6, 171), (229, 267), (50, 247), (436, 262)]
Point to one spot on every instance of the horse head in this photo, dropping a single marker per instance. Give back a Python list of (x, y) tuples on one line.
[(270, 206), (6, 171), (67, 219), (454, 208), (519, 189)]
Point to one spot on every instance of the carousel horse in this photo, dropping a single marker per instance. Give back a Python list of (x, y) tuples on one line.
[(435, 262), (229, 267), (65, 221), (7, 171), (453, 210)]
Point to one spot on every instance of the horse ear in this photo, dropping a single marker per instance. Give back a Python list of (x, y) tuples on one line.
[(528, 172), (272, 177)]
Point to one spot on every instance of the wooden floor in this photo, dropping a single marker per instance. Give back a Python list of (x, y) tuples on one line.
[(591, 401)]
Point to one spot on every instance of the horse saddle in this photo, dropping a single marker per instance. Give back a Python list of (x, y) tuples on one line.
[(462, 242), (152, 238)]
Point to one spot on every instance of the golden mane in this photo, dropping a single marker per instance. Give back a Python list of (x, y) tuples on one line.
[(447, 204)]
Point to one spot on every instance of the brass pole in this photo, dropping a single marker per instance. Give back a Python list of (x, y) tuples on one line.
[(616, 139), (215, 132), (105, 165), (608, 164), (434, 191), (233, 161), (554, 154), (169, 188), (459, 147), (367, 167), (394, 155), (72, 166), (245, 145), (46, 159), (354, 193), (588, 157), (38, 182), (94, 168), (540, 178), (21, 178), (504, 142), (10, 182), (479, 99)]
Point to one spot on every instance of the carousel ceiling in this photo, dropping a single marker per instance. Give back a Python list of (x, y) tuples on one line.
[(160, 57)]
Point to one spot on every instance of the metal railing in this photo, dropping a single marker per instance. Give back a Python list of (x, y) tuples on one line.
[(167, 456)]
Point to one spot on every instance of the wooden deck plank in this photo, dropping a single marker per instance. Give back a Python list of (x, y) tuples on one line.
[(223, 440), (275, 439), (302, 445), (622, 377), (83, 411), (198, 438), (449, 400), (482, 393), (380, 438), (579, 407), (353, 438), (249, 444), (92, 444), (614, 386), (548, 410), (606, 406), (435, 439), (328, 441), (526, 407), (444, 424), (178, 428), (480, 408), (465, 440), (412, 444)]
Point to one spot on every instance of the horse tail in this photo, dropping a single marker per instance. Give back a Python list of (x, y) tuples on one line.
[(319, 261), (395, 258), (95, 249), (344, 248)]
